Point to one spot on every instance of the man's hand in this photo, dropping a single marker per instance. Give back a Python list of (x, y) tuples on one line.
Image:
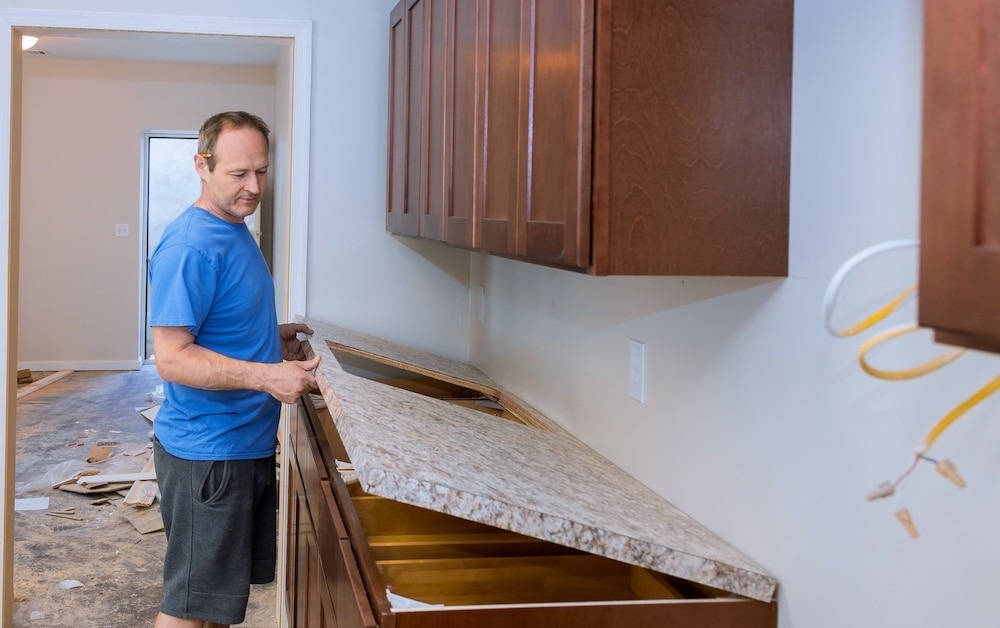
[(288, 381), (291, 346)]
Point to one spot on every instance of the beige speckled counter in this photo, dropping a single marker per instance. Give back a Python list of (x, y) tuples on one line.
[(535, 479)]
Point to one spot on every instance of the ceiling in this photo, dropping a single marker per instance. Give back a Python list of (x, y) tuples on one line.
[(60, 43)]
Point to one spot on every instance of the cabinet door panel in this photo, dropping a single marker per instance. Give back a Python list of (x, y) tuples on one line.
[(465, 101), (416, 132), (960, 218), (561, 95), (397, 219), (504, 136), (436, 119)]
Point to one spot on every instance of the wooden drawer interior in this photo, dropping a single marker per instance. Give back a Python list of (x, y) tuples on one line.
[(439, 559)]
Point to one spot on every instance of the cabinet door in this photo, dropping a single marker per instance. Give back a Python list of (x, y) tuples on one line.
[(435, 112), (464, 98), (400, 217), (505, 125), (539, 94), (960, 217), (559, 105)]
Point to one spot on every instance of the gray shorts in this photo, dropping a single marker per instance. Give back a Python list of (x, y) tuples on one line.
[(220, 518)]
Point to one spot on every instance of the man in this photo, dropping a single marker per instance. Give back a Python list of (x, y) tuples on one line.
[(219, 351)]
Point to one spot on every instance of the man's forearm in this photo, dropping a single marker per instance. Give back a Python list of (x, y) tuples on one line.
[(203, 368)]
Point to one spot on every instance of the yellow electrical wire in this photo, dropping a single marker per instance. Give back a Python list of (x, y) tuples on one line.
[(910, 373), (956, 412), (879, 314)]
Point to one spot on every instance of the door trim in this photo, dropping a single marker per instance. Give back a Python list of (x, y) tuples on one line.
[(291, 301)]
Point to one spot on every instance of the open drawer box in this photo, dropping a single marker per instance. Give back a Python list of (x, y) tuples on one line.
[(466, 507)]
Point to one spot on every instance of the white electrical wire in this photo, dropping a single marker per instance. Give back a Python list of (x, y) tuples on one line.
[(833, 288)]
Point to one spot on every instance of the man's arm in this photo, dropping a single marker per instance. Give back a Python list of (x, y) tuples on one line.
[(181, 361)]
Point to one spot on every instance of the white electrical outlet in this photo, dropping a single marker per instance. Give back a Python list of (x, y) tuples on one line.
[(637, 370), (121, 230)]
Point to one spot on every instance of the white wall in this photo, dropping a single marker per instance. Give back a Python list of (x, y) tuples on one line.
[(83, 121), (359, 276), (757, 423)]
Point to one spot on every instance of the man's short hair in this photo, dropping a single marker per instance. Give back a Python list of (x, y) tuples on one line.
[(210, 130)]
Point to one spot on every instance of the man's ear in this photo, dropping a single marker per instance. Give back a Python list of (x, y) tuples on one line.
[(200, 164)]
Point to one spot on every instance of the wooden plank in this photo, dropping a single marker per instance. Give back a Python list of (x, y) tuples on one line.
[(45, 381), (117, 477), (144, 492)]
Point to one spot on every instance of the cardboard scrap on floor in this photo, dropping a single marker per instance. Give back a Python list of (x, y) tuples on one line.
[(146, 520), (143, 492), (99, 453), (150, 413), (89, 489)]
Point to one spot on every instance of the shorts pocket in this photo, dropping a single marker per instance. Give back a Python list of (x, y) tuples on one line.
[(214, 480)]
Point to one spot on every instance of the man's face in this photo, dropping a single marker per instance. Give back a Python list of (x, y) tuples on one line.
[(233, 189)]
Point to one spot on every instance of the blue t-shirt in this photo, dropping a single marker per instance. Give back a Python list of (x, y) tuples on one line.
[(209, 275)]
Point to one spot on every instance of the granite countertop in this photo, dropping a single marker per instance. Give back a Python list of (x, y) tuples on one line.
[(533, 478)]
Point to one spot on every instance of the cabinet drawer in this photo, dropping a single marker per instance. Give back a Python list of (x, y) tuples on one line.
[(343, 578), (477, 575)]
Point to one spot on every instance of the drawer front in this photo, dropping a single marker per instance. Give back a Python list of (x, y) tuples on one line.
[(687, 614), (313, 473), (342, 575)]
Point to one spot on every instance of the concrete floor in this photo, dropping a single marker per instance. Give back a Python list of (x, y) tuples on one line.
[(119, 568)]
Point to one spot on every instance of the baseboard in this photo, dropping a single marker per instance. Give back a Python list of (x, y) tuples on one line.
[(83, 365)]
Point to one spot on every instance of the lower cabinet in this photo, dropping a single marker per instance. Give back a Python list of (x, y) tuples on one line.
[(348, 550), (322, 584)]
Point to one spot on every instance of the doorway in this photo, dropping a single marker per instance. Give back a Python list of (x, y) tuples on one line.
[(169, 186), (291, 179)]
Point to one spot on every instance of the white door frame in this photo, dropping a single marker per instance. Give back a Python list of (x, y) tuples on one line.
[(300, 32)]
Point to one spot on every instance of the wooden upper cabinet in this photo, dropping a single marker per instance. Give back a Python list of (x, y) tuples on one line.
[(960, 213), (432, 121), (627, 137)]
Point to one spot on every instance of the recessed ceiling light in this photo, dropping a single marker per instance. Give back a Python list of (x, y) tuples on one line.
[(27, 41)]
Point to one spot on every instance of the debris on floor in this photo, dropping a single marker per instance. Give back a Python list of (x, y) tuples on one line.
[(99, 453), (24, 376), (31, 503), (86, 533)]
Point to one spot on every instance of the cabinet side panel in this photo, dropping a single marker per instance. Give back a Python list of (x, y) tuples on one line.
[(699, 137), (988, 210), (960, 213)]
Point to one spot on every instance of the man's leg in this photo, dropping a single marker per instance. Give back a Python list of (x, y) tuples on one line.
[(167, 621)]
